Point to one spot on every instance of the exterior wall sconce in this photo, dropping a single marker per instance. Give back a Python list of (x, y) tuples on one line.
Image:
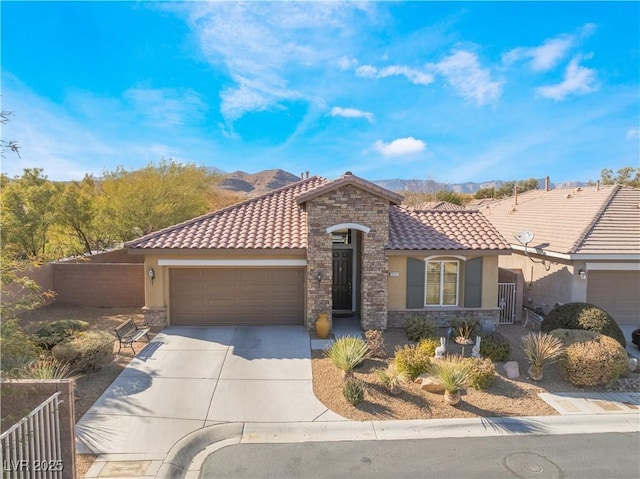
[(583, 274), (151, 274), (319, 277)]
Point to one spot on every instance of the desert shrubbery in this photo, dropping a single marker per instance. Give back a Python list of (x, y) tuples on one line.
[(570, 336), (418, 328), (57, 331), (594, 362), (583, 316), (412, 361), (86, 351), (16, 349), (390, 378), (428, 346), (482, 372), (495, 346), (348, 353), (353, 391)]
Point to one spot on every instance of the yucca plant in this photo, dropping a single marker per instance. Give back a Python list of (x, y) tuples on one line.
[(541, 350), (47, 369), (391, 379), (454, 373), (347, 353)]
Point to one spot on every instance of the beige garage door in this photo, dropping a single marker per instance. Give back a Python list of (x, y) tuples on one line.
[(618, 293), (237, 296)]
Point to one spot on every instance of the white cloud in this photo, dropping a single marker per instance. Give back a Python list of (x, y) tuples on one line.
[(400, 147), (633, 134), (166, 107), (346, 63), (351, 113), (578, 80), (415, 76), (463, 72)]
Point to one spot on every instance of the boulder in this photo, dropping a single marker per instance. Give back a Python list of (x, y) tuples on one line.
[(632, 363), (430, 384), (512, 369)]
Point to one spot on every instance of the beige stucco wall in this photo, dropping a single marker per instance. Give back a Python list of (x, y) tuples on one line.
[(397, 285)]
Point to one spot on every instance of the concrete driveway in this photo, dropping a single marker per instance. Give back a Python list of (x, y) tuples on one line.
[(191, 377)]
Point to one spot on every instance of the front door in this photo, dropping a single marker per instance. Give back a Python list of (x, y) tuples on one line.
[(342, 271)]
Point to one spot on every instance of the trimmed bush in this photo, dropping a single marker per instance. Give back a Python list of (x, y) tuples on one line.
[(375, 341), (570, 336), (583, 316), (353, 391), (348, 353), (594, 362), (412, 361), (482, 373), (87, 351), (495, 347), (418, 328), (16, 349), (57, 331)]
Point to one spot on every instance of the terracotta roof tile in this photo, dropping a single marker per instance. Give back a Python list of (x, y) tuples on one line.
[(350, 179), (442, 230), (436, 205)]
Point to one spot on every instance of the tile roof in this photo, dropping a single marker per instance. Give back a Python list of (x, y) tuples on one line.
[(436, 205), (442, 230), (277, 220), (350, 179), (270, 221), (572, 221)]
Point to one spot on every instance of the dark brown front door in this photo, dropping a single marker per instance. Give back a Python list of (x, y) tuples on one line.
[(342, 269)]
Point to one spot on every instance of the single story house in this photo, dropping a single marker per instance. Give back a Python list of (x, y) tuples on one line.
[(584, 246), (320, 246)]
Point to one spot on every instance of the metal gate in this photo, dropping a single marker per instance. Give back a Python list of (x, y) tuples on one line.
[(507, 302)]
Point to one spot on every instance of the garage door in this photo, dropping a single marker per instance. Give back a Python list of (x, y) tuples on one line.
[(237, 296), (617, 292)]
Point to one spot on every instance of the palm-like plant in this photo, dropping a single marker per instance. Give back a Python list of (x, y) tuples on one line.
[(46, 369), (454, 374), (348, 353), (541, 350)]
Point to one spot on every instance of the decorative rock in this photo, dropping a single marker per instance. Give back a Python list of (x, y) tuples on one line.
[(431, 384), (632, 363), (487, 326), (512, 369)]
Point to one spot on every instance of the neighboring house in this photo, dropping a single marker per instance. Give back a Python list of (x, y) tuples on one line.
[(586, 246), (320, 246), (437, 205)]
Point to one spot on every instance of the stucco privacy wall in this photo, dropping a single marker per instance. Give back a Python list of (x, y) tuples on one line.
[(398, 312), (348, 204)]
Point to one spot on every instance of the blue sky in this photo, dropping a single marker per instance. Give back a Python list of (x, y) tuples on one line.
[(450, 91)]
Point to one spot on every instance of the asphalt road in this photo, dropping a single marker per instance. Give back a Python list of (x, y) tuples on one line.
[(584, 456)]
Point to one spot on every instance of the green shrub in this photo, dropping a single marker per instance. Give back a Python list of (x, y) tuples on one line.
[(16, 349), (57, 331), (87, 351), (375, 341), (390, 378), (353, 391), (419, 327), (570, 336), (412, 361), (453, 372), (46, 369), (495, 347), (428, 346), (583, 316), (482, 373), (594, 362), (347, 353), (466, 328)]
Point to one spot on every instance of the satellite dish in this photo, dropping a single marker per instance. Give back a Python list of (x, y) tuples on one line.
[(525, 237)]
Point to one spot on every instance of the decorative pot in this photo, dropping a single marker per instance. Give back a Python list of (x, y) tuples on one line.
[(535, 373), (451, 398), (323, 326)]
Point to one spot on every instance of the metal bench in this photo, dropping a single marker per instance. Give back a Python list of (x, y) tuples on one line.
[(129, 332), (532, 318)]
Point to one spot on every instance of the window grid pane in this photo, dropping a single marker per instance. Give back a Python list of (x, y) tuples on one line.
[(442, 283)]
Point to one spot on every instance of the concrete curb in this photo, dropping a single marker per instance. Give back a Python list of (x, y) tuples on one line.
[(186, 452)]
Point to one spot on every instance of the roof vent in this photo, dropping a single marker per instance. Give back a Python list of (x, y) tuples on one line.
[(568, 195), (348, 173)]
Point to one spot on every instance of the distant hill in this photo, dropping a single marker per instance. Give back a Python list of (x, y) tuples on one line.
[(255, 184), (469, 188)]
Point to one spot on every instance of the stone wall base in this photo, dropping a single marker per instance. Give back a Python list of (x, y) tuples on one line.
[(155, 317), (398, 319)]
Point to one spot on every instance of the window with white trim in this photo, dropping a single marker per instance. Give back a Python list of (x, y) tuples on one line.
[(441, 282)]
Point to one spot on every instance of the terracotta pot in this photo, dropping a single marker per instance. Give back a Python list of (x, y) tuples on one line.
[(535, 373), (323, 326), (451, 398)]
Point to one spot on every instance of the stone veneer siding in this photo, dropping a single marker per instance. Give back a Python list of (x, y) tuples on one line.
[(398, 319), (155, 318), (348, 204)]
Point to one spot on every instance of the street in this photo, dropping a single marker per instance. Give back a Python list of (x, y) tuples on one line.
[(584, 456)]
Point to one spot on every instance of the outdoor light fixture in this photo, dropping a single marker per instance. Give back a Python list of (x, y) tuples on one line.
[(152, 274), (582, 273), (319, 277)]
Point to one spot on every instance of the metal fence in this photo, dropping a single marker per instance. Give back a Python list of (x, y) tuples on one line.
[(507, 302), (31, 448)]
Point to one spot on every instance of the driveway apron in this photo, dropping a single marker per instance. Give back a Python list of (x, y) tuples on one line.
[(191, 377)]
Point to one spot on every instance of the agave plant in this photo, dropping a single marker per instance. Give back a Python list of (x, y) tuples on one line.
[(46, 369), (454, 374), (541, 350), (347, 353), (391, 379)]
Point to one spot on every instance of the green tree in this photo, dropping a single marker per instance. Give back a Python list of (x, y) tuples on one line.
[(507, 189), (133, 203), (628, 176), (28, 213)]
